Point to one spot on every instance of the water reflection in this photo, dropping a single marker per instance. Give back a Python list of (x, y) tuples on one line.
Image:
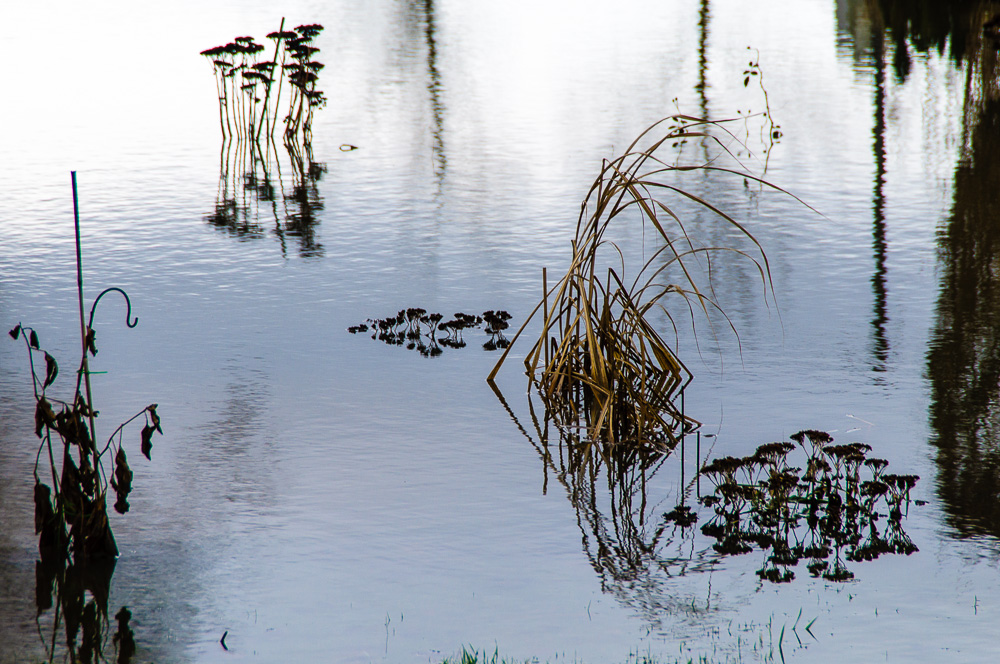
[(253, 198), (837, 506), (701, 88), (633, 545), (926, 25), (75, 597), (880, 342), (964, 361), (434, 89)]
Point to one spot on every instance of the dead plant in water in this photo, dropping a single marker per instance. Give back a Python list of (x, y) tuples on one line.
[(600, 364)]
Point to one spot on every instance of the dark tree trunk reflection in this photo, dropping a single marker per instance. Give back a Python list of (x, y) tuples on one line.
[(964, 360)]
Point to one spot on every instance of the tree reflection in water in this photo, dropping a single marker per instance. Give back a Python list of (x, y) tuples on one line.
[(963, 363), (964, 360), (253, 196)]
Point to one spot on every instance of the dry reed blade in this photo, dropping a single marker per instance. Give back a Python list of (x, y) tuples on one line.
[(599, 363)]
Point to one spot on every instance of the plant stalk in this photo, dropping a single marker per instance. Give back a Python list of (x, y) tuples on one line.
[(84, 364)]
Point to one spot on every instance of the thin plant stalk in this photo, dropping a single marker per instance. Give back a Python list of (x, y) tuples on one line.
[(84, 364)]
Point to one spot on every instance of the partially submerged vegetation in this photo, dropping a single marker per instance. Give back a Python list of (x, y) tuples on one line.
[(600, 364), (256, 98), (428, 333), (76, 546), (826, 512), (828, 506), (250, 90)]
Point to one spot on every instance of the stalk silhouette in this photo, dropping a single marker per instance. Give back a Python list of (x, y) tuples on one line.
[(244, 84)]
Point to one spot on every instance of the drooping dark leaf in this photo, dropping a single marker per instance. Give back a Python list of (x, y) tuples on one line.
[(70, 496), (90, 341), (43, 416), (45, 576), (16, 332), (88, 478), (123, 474), (147, 437), (51, 370), (156, 418), (33, 340), (746, 80), (83, 407)]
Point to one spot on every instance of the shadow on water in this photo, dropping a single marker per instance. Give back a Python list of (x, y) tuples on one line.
[(264, 189)]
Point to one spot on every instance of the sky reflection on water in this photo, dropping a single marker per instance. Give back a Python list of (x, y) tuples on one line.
[(317, 493)]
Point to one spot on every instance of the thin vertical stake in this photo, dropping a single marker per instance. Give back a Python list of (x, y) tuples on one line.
[(84, 365), (79, 265)]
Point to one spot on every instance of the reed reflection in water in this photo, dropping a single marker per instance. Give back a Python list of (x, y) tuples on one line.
[(829, 507)]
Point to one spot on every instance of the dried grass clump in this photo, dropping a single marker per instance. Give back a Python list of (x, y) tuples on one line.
[(600, 364)]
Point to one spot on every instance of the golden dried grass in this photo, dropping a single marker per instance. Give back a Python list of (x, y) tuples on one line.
[(600, 365)]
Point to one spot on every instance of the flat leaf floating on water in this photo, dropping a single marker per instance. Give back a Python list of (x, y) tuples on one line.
[(829, 512), (429, 333)]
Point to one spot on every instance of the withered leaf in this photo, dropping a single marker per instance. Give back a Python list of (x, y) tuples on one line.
[(156, 418), (33, 340), (147, 437), (51, 370), (122, 481), (16, 332), (90, 341), (122, 473), (43, 415)]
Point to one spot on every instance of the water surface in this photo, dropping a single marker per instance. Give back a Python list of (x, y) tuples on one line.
[(318, 495)]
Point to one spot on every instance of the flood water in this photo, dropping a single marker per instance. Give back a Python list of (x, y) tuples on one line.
[(319, 496)]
